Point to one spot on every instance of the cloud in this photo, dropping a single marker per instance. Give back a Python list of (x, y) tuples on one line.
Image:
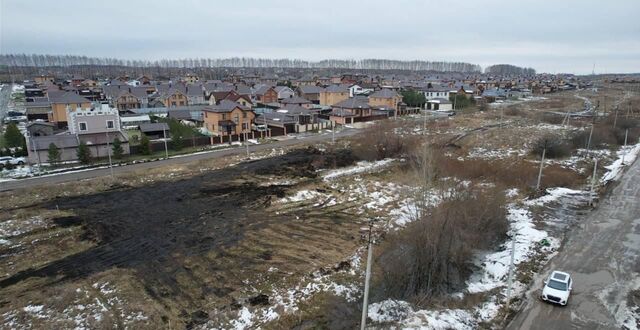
[(553, 36)]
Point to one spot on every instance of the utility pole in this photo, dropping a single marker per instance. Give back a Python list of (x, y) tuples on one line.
[(109, 153), (166, 149), (246, 143), (544, 151), (333, 132), (510, 276), (615, 118), (593, 180), (365, 301), (33, 145), (589, 141)]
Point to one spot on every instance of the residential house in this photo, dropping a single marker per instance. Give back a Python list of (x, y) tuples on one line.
[(60, 102), (228, 119), (439, 104), (310, 92), (191, 78), (295, 100), (284, 92), (154, 131), (333, 94), (436, 92), (195, 94), (266, 94), (173, 98), (97, 127), (356, 89), (42, 79), (385, 98), (355, 109)]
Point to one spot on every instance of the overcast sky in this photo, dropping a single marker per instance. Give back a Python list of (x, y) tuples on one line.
[(548, 35)]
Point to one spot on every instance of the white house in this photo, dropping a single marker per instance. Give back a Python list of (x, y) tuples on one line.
[(359, 90), (284, 92), (436, 93)]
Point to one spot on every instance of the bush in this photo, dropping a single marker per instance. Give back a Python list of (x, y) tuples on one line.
[(53, 154), (383, 140), (12, 136), (554, 145), (145, 145), (117, 149), (84, 153), (432, 255)]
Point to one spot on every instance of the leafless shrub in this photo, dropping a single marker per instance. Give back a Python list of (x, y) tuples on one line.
[(323, 311), (551, 118), (555, 146), (383, 140), (431, 256)]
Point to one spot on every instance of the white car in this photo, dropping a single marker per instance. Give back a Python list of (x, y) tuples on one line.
[(11, 160), (557, 288)]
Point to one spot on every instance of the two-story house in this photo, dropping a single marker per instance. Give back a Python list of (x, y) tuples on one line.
[(61, 101), (333, 95), (385, 98), (228, 118)]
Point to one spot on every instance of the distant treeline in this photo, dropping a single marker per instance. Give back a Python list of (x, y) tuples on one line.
[(41, 61), (508, 70)]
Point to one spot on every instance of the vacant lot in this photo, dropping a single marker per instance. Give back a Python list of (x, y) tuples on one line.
[(191, 245)]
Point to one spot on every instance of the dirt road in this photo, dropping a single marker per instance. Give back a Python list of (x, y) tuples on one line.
[(601, 253), (74, 176)]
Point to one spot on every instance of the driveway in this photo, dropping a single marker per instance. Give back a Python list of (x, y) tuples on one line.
[(601, 253)]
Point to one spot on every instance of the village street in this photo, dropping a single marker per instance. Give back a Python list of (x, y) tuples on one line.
[(601, 254), (98, 172)]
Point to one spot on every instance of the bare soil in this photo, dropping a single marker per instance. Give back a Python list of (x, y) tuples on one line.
[(192, 244)]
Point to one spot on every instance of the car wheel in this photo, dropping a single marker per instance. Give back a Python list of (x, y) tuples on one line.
[(20, 163)]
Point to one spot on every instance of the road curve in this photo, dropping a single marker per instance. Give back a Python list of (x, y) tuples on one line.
[(99, 172), (601, 254)]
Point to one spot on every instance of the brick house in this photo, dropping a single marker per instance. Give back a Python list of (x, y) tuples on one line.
[(333, 94), (266, 94), (173, 98), (228, 118), (385, 98), (60, 102)]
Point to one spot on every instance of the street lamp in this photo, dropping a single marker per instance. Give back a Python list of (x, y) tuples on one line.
[(109, 152), (166, 149)]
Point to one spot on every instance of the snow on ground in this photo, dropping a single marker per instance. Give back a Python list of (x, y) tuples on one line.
[(492, 272), (15, 227), (483, 153), (87, 306), (361, 167), (626, 156)]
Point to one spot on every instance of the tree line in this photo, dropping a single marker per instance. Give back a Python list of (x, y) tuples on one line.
[(45, 60), (509, 70)]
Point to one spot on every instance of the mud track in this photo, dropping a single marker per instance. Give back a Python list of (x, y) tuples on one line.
[(189, 241)]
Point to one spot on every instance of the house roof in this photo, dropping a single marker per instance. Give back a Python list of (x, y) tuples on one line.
[(61, 141), (310, 89), (336, 89), (67, 97), (295, 100), (353, 103), (385, 94), (225, 106), (153, 127)]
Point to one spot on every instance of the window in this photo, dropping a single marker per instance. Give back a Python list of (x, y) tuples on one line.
[(173, 104), (109, 123), (224, 116), (181, 102), (244, 126), (83, 126), (244, 115), (236, 119)]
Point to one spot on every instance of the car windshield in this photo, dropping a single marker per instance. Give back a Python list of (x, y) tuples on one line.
[(557, 285)]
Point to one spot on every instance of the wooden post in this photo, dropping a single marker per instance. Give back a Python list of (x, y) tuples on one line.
[(541, 166)]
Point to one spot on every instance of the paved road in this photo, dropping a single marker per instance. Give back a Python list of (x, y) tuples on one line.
[(74, 176), (602, 254)]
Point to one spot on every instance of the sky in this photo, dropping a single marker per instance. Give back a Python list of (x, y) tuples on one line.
[(554, 36)]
